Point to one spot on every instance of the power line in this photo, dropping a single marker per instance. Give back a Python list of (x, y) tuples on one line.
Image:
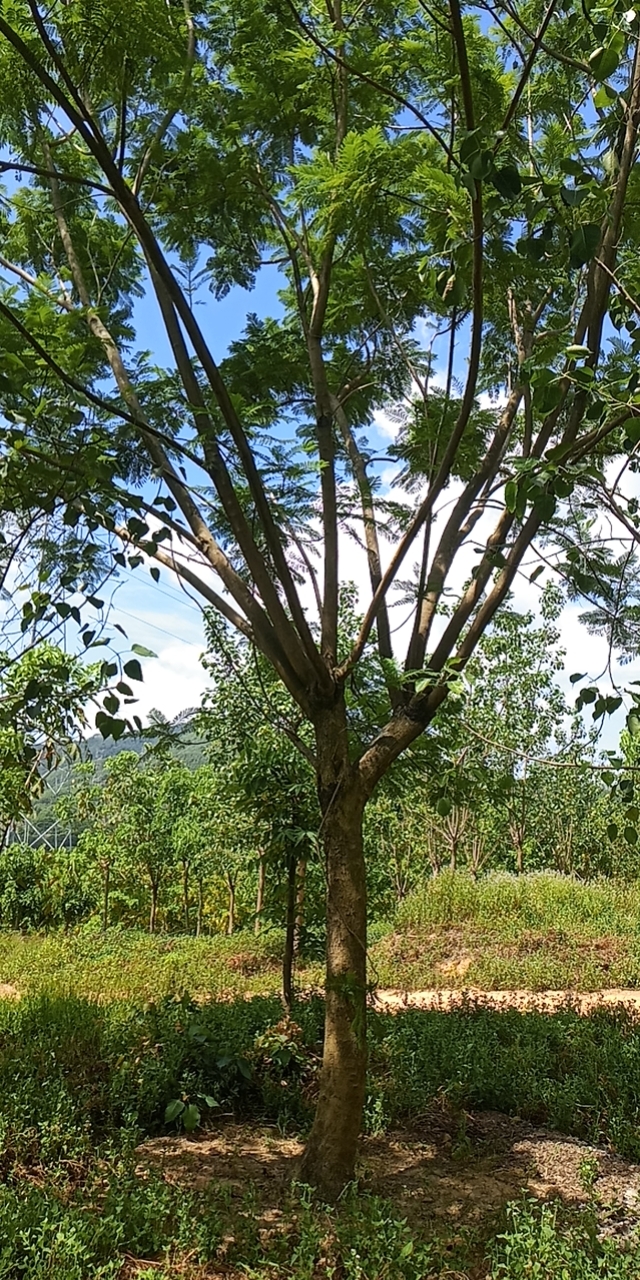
[(171, 593), (144, 623)]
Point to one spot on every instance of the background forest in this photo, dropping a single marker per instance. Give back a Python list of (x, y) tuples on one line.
[(211, 824)]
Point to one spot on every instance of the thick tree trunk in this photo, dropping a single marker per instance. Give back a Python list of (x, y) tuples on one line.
[(154, 907), (329, 1159), (231, 914), (186, 906), (290, 925), (260, 896)]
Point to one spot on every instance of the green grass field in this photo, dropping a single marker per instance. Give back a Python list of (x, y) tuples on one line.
[(537, 931), (111, 1029), (125, 964)]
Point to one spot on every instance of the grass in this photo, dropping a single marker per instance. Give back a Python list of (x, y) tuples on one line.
[(130, 965), (110, 1030), (539, 931), (81, 1083), (74, 1073), (121, 1226)]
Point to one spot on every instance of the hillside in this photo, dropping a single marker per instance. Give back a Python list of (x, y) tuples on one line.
[(185, 746)]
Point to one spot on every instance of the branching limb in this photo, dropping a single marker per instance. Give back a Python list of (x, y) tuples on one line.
[(170, 115)]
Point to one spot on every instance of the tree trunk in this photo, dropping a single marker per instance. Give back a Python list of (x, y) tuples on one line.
[(517, 833), (300, 894), (329, 1159), (289, 936), (200, 907), (260, 895), (105, 900), (231, 915), (185, 897), (154, 907)]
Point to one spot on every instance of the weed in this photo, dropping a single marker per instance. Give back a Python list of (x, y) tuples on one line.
[(535, 931), (551, 1243)]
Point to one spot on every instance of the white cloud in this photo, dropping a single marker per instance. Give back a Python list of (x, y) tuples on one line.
[(387, 426), (172, 682)]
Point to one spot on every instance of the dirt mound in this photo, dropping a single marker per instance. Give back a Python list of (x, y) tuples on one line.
[(444, 1000), (8, 992)]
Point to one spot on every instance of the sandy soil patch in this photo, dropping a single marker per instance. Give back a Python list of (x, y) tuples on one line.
[(443, 1000)]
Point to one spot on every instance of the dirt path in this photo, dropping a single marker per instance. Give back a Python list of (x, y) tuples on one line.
[(392, 1001)]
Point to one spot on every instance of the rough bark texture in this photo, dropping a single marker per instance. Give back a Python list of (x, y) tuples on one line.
[(329, 1158), (300, 896)]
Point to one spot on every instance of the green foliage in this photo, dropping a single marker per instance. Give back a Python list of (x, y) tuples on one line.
[(575, 1074), (122, 964), (151, 827), (515, 903), (557, 1242), (538, 932), (43, 696), (82, 1082)]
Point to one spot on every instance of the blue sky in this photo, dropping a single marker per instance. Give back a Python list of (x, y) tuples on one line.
[(162, 617), (165, 619)]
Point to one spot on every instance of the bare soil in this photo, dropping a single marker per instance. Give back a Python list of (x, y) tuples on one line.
[(8, 992), (445, 999), (457, 1169)]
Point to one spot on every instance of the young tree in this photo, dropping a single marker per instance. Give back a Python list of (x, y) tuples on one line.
[(271, 777), (400, 164), (43, 699)]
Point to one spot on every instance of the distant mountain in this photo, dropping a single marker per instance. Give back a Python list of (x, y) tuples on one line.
[(184, 746)]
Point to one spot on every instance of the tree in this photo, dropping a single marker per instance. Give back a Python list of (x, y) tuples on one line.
[(269, 776), (516, 712), (43, 696), (404, 166)]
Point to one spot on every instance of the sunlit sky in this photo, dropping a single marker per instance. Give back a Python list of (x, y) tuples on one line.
[(166, 620)]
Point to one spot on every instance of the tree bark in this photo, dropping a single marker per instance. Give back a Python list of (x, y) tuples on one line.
[(300, 896), (260, 896), (185, 897), (287, 959), (329, 1159), (154, 907), (231, 914)]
